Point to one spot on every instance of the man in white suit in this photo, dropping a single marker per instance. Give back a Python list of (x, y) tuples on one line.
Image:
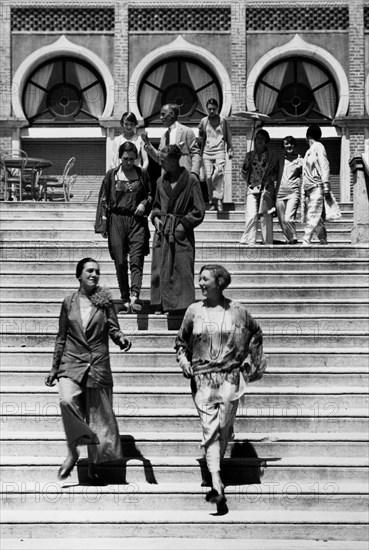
[(176, 134)]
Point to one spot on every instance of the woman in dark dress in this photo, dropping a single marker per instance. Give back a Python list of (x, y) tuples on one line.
[(123, 206)]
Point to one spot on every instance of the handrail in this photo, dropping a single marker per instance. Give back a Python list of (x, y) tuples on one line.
[(366, 165)]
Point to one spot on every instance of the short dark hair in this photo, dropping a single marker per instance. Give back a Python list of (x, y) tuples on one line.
[(314, 132), (127, 147), (289, 139), (220, 274), (174, 108), (263, 133), (173, 151), (81, 264), (131, 117), (212, 101)]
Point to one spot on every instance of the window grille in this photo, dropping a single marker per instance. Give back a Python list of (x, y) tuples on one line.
[(62, 19), (179, 19), (297, 18)]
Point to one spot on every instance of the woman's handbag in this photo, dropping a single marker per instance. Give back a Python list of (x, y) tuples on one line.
[(332, 209)]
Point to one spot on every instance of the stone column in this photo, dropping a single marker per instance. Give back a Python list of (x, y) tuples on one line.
[(360, 172)]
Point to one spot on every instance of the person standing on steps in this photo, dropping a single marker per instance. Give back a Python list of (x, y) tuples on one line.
[(176, 134), (315, 186), (123, 206), (129, 125), (219, 348), (82, 367), (260, 171), (216, 139), (288, 189), (177, 209)]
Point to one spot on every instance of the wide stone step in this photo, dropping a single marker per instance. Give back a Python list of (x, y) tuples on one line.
[(274, 525), (186, 470), (349, 308), (42, 334), (89, 207), (44, 236), (146, 371), (168, 543), (19, 416), (235, 221), (205, 252), (298, 360), (130, 324), (330, 400), (68, 267), (47, 444), (186, 496), (243, 293), (257, 278)]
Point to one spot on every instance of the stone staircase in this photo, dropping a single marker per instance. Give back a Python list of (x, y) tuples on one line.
[(297, 471)]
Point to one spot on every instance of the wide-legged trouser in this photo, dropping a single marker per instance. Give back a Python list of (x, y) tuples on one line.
[(89, 419), (314, 206), (286, 211), (252, 203), (127, 239), (214, 174)]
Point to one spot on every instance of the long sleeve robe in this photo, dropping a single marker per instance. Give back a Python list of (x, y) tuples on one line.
[(180, 210)]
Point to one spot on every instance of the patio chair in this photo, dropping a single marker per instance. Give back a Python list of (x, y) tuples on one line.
[(13, 163), (52, 189)]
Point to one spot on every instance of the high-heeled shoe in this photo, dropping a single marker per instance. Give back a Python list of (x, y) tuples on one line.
[(66, 468)]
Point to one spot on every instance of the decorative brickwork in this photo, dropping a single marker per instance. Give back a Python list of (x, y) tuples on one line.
[(62, 19), (357, 58), (5, 61), (179, 19), (297, 18), (121, 60)]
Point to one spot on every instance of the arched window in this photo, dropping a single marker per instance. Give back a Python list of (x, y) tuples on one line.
[(64, 90), (183, 81), (296, 89)]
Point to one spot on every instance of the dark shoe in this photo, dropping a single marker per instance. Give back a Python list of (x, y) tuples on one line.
[(124, 308), (222, 508), (66, 469), (214, 497)]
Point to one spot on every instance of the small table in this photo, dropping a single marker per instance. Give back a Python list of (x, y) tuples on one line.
[(36, 165)]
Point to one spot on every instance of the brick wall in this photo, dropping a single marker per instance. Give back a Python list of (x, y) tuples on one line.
[(5, 63), (357, 72), (121, 58), (238, 56)]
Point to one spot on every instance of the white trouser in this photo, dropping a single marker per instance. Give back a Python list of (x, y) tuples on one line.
[(252, 203), (286, 211)]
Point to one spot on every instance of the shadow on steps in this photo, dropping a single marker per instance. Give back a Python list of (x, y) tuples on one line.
[(115, 472), (244, 467)]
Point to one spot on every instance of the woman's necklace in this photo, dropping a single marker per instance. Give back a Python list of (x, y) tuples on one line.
[(212, 327)]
